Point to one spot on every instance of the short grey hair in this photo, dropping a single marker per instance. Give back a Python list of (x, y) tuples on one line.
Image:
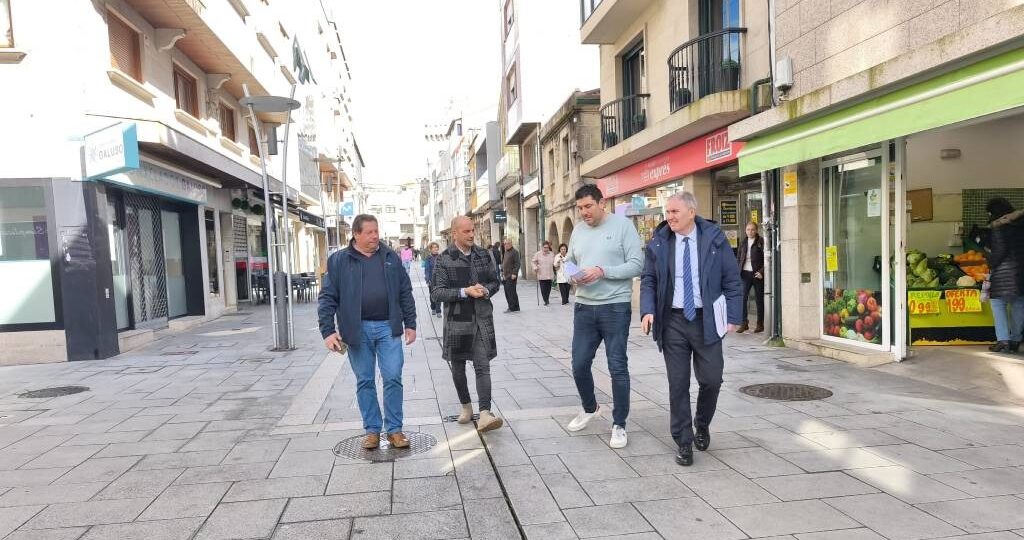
[(686, 198)]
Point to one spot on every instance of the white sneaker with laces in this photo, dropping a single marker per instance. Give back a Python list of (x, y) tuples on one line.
[(618, 437), (582, 419)]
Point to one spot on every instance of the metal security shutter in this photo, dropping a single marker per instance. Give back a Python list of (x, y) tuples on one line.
[(124, 47), (146, 259)]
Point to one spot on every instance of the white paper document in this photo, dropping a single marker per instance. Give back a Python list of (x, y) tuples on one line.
[(574, 272), (721, 316)]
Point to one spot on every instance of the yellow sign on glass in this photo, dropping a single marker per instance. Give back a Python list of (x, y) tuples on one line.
[(789, 188), (753, 216), (831, 259), (923, 302), (963, 300)]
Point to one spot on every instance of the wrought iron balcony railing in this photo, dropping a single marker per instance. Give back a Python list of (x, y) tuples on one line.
[(623, 118), (705, 65)]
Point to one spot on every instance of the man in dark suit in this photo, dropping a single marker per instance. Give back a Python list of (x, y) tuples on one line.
[(690, 295)]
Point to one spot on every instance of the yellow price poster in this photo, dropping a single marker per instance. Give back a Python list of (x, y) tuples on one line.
[(963, 300), (754, 217), (923, 302), (789, 189), (831, 259)]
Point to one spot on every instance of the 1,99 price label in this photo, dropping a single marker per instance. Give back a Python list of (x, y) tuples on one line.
[(923, 302), (963, 300)]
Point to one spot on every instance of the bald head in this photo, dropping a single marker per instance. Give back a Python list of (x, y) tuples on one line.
[(462, 232)]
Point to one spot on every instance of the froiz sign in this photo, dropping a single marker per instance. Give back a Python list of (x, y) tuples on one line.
[(111, 150), (717, 146)]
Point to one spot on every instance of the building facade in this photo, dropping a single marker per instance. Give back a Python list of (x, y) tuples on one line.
[(132, 192), (571, 136), (885, 144)]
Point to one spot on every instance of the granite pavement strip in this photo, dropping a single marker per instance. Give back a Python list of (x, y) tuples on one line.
[(208, 435)]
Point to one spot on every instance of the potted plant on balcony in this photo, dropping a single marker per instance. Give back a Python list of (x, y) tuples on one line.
[(681, 97), (730, 74)]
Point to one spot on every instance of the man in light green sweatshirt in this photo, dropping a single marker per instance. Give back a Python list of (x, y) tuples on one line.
[(607, 250)]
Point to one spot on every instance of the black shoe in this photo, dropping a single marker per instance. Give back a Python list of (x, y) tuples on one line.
[(702, 439), (1000, 346), (1014, 346), (685, 455)]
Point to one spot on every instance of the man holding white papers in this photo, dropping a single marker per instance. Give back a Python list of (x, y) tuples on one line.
[(604, 256), (691, 295)]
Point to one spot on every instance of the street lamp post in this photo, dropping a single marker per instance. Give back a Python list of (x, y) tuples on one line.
[(282, 323)]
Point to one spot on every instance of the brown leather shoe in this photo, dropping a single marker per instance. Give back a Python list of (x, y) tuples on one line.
[(743, 328), (759, 329), (398, 440), (371, 441)]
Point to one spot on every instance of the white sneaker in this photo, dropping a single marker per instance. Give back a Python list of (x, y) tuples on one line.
[(618, 437), (582, 419)]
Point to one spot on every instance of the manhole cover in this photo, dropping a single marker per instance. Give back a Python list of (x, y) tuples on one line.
[(57, 391), (352, 447), (786, 391)]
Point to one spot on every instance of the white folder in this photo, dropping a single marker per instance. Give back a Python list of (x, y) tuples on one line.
[(721, 316)]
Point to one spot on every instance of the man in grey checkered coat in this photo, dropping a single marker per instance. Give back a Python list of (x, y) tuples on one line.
[(464, 279)]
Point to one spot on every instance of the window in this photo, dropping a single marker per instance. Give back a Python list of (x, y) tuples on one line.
[(125, 53), (227, 122), (510, 16), (551, 160), (26, 282), (6, 28), (254, 147), (510, 85), (213, 261), (186, 94), (566, 158), (389, 209)]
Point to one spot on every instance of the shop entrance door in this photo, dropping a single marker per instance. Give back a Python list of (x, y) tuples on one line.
[(855, 250), (147, 272), (240, 252)]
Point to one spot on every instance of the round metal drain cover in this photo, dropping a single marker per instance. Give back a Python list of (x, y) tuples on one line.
[(56, 391), (786, 391), (352, 447)]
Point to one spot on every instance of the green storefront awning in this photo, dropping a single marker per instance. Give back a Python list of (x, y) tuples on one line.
[(987, 87)]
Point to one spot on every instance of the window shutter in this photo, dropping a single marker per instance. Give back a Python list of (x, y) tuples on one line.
[(185, 92), (254, 147), (227, 122), (124, 47)]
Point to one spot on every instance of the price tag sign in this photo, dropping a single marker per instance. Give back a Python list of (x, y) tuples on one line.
[(923, 302), (963, 300), (831, 259)]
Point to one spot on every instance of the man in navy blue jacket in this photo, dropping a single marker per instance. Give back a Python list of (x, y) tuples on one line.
[(690, 273), (368, 293)]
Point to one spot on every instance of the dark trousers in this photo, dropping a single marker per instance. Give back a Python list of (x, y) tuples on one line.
[(758, 286), (564, 289), (482, 367), (684, 340), (511, 296), (591, 326), (545, 290), (435, 307)]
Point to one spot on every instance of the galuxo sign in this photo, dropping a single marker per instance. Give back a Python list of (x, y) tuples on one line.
[(111, 150)]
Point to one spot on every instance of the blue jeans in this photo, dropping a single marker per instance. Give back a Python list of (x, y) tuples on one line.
[(591, 325), (378, 347), (1008, 328)]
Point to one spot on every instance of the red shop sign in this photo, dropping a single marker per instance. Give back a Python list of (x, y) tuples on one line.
[(696, 155)]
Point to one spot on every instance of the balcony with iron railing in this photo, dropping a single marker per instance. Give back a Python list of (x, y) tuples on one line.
[(623, 118), (705, 65)]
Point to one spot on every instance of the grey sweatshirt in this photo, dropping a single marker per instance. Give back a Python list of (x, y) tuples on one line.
[(615, 246)]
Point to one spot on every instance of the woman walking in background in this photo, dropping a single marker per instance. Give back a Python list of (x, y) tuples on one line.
[(428, 273), (407, 255), (544, 266), (750, 257), (560, 277), (1006, 282)]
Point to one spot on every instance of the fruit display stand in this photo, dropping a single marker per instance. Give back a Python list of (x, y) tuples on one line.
[(949, 316)]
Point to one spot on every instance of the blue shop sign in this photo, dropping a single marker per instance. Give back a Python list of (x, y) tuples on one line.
[(111, 150)]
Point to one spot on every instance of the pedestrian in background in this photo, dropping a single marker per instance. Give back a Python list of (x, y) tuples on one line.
[(510, 264), (407, 256), (428, 273), (689, 284), (607, 249), (751, 262), (367, 303), (1006, 281), (544, 267), (563, 280), (496, 253), (464, 279)]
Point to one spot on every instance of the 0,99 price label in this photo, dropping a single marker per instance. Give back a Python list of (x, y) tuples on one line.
[(923, 302), (963, 300)]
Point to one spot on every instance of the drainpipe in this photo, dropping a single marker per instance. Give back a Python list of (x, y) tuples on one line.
[(753, 93), (772, 227)]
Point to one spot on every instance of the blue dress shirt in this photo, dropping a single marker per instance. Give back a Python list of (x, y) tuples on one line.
[(677, 292)]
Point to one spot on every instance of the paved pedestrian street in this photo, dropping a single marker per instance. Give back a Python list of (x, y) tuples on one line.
[(208, 435)]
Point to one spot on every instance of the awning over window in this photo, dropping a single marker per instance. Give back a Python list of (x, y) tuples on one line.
[(987, 87)]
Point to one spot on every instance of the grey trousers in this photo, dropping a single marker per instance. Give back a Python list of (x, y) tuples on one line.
[(683, 341), (482, 367)]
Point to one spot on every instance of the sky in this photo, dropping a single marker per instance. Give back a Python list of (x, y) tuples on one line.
[(409, 60)]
